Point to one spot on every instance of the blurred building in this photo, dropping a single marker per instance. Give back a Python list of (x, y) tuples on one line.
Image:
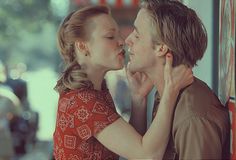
[(124, 11)]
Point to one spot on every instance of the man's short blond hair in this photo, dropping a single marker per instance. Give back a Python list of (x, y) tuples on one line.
[(179, 28)]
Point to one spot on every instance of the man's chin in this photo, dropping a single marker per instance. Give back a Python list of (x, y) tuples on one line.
[(133, 68)]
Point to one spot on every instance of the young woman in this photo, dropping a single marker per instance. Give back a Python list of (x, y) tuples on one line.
[(87, 125)]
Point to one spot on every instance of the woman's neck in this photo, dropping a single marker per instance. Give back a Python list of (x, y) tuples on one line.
[(96, 77)]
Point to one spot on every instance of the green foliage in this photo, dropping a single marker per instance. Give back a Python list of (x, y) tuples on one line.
[(27, 32)]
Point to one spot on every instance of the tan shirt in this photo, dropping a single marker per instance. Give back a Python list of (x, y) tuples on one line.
[(201, 126)]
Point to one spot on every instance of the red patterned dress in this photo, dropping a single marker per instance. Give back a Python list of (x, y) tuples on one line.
[(82, 114)]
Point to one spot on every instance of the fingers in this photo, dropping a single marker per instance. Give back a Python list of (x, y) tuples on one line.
[(182, 69), (127, 69), (131, 76), (169, 61), (182, 76)]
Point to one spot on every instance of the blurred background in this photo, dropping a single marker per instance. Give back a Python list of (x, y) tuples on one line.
[(30, 66)]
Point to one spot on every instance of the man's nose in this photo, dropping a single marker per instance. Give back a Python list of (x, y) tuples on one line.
[(128, 41)]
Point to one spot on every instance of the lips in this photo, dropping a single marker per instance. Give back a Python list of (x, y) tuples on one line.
[(122, 52), (130, 52)]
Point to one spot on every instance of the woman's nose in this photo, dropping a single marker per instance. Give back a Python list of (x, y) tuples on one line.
[(121, 41)]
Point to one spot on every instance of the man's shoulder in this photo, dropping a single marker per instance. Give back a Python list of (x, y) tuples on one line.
[(198, 90), (198, 100), (198, 95)]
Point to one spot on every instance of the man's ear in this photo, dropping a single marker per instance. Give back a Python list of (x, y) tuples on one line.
[(161, 49)]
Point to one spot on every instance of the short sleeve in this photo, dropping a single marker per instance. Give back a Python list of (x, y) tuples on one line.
[(198, 138), (94, 112)]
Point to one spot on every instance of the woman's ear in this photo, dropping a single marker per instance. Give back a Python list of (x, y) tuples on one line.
[(82, 47), (161, 49)]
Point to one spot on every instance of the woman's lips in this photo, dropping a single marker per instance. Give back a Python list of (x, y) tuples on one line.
[(122, 53)]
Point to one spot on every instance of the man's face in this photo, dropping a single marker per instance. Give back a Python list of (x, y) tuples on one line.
[(140, 44)]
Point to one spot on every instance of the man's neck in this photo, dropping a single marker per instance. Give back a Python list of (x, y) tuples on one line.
[(157, 80)]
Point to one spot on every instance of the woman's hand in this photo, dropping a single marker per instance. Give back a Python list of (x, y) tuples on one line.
[(140, 85), (178, 77)]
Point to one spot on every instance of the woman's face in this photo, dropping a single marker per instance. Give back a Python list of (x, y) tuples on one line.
[(105, 44)]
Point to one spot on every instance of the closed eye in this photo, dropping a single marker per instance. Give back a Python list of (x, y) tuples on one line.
[(110, 38)]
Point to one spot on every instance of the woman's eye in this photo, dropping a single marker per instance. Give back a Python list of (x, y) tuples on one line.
[(110, 37)]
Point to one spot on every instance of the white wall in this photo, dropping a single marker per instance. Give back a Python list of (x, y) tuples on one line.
[(204, 9)]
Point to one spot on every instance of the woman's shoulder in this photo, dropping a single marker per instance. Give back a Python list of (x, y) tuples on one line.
[(86, 96), (74, 99), (83, 95)]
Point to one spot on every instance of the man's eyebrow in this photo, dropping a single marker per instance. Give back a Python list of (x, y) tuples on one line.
[(136, 29)]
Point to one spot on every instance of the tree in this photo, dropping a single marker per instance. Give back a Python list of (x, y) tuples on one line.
[(27, 31)]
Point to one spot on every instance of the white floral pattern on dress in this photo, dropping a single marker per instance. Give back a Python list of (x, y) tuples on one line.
[(69, 141), (85, 96), (100, 108), (82, 114), (84, 132), (98, 126), (95, 155), (63, 123), (112, 117), (84, 147), (70, 119), (59, 139), (109, 99), (72, 103), (74, 157), (61, 154), (63, 103)]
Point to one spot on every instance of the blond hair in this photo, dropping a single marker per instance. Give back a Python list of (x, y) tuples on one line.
[(179, 28), (73, 28)]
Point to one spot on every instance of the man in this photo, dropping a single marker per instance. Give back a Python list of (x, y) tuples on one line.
[(200, 128)]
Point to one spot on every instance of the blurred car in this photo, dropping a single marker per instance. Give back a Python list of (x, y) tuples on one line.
[(9, 108), (18, 123)]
